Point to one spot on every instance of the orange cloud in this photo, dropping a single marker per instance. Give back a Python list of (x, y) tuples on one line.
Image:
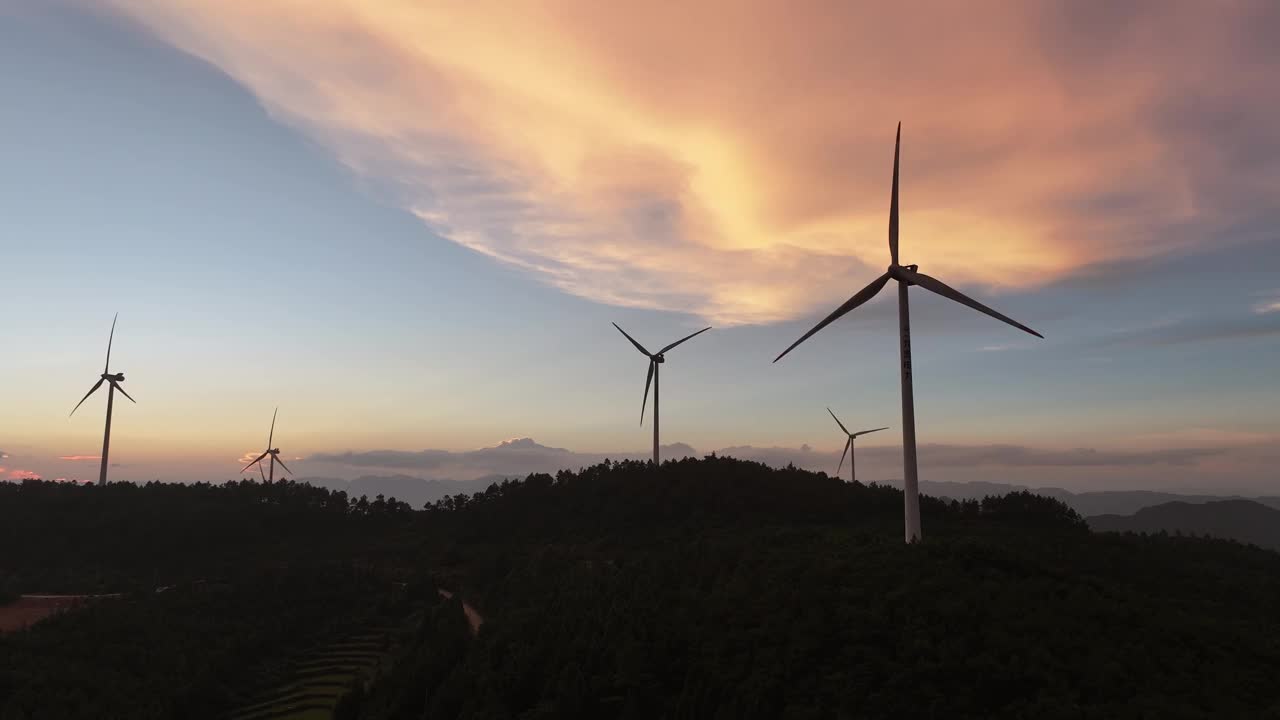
[(80, 457), (248, 456), (732, 159), (1269, 305)]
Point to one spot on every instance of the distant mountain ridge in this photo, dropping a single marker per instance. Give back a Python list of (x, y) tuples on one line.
[(1243, 520), (1106, 502)]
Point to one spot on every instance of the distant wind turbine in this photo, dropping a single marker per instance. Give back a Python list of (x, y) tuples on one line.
[(848, 447), (114, 381), (906, 275), (655, 359), (274, 453)]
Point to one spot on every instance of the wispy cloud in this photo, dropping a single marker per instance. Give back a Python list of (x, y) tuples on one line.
[(76, 458), (248, 456), (1197, 329), (731, 159), (1269, 305)]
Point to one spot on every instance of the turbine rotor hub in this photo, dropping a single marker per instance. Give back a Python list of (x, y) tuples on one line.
[(895, 271), (659, 358)]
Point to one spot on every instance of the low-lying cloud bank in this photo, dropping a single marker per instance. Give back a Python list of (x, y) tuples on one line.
[(517, 457), (1209, 466), (524, 455), (953, 471), (1210, 463)]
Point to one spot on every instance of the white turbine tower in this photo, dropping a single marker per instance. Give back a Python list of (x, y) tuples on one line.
[(848, 447), (906, 275), (273, 453), (655, 359), (114, 385)]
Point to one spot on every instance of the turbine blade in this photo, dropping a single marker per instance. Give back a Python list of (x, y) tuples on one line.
[(286, 467), (935, 285), (663, 350), (257, 459), (633, 341), (260, 473), (893, 203), (847, 443), (272, 434), (116, 385), (110, 337), (842, 427), (864, 432), (92, 390), (861, 297), (647, 381)]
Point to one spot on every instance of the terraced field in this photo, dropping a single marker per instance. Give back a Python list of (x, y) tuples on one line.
[(310, 687)]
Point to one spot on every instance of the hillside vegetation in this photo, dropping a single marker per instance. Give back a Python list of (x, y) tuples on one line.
[(718, 588)]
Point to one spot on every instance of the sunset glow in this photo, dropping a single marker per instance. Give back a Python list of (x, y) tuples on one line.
[(733, 171), (409, 225)]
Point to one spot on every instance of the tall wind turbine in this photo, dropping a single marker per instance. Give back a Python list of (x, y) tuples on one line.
[(274, 453), (114, 385), (906, 275), (655, 359), (848, 447)]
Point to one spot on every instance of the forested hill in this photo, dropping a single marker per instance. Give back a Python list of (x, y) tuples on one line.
[(66, 538), (720, 588), (711, 588)]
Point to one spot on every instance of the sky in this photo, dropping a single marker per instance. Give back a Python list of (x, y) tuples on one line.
[(410, 225)]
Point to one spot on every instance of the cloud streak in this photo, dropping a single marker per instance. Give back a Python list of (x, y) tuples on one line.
[(1269, 305), (1198, 329), (700, 159)]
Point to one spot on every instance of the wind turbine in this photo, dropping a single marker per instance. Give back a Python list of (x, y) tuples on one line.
[(848, 446), (655, 359), (273, 452), (906, 275), (114, 381)]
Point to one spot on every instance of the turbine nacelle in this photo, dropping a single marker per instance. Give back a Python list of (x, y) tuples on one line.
[(112, 381), (896, 272), (906, 275), (655, 359), (271, 453)]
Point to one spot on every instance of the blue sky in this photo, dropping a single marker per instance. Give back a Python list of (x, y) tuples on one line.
[(255, 263)]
